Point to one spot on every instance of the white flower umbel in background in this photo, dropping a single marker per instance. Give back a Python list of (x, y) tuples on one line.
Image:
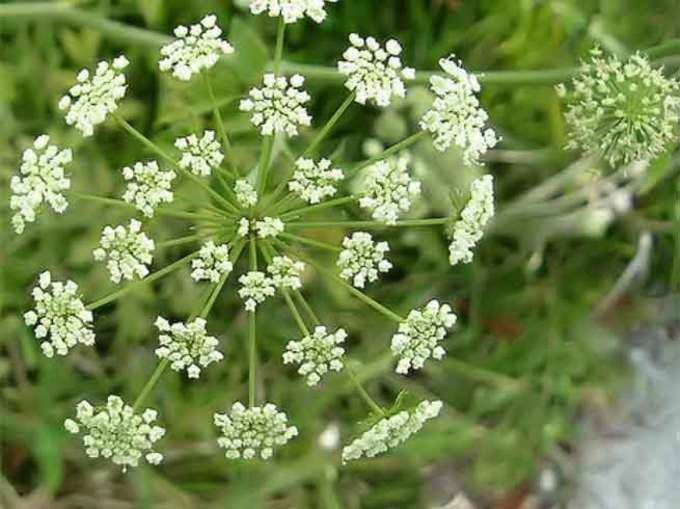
[(117, 432), (286, 273), (362, 259), (41, 179), (278, 107), (420, 335), (469, 229), (456, 117), (391, 431), (197, 48), (60, 318), (251, 432), (314, 181), (317, 353), (200, 155), (148, 186), (623, 111), (243, 227), (374, 73), (245, 193), (255, 288), (92, 98), (269, 227), (212, 263), (291, 10), (187, 346), (127, 250)]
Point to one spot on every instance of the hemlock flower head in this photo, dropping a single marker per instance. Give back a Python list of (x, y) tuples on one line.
[(622, 111), (291, 10), (317, 353), (197, 48), (200, 155), (269, 227), (391, 431), (419, 336), (251, 432), (127, 251), (60, 318), (255, 288), (373, 72), (115, 431), (187, 346), (212, 263), (243, 227), (245, 193), (148, 186), (278, 107), (469, 229), (314, 181), (92, 98), (456, 117), (285, 273), (41, 179), (362, 259), (388, 189)]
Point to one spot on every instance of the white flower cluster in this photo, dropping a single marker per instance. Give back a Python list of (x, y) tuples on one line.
[(373, 72), (197, 48), (623, 111), (128, 251), (246, 196), (255, 431), (116, 432), (419, 336), (89, 101), (388, 189), (200, 155), (187, 346), (41, 180), (269, 227), (212, 262), (316, 354), (469, 229), (291, 10), (362, 259), (243, 227), (255, 288), (148, 186), (391, 431), (286, 273), (278, 107), (59, 316), (456, 117), (314, 181)]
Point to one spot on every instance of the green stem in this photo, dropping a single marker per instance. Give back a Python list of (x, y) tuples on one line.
[(310, 242), (180, 241), (435, 221), (252, 336), (220, 126), (151, 383), (388, 152), (483, 375), (319, 206), (305, 305), (329, 125), (377, 409), (265, 161), (278, 52)]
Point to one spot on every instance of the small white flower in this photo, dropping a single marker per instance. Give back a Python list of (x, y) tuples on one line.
[(212, 263), (314, 181), (60, 318), (419, 336), (200, 155), (278, 107), (286, 273), (251, 432), (316, 354), (115, 431), (391, 431), (373, 72), (246, 196), (362, 259), (91, 99), (269, 227), (255, 288), (148, 186), (197, 48), (469, 229), (41, 179), (291, 10), (187, 346), (388, 189), (128, 251), (243, 227), (456, 117)]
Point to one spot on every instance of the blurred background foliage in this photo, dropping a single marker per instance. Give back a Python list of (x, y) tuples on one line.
[(528, 356)]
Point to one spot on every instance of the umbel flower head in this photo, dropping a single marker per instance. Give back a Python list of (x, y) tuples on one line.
[(269, 227), (622, 111), (200, 155), (187, 346), (317, 353), (41, 179), (314, 181), (212, 263), (285, 273), (469, 229), (362, 259), (148, 186), (255, 288), (391, 431), (251, 432), (373, 72), (245, 193), (456, 117), (197, 48), (419, 336), (115, 431), (92, 98), (127, 251), (278, 107), (60, 318), (291, 10)]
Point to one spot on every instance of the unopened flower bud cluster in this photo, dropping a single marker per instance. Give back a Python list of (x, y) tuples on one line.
[(469, 229), (362, 259), (317, 353), (187, 346), (212, 263), (127, 250)]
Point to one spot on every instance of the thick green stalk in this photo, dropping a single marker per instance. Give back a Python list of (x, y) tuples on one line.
[(278, 52)]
